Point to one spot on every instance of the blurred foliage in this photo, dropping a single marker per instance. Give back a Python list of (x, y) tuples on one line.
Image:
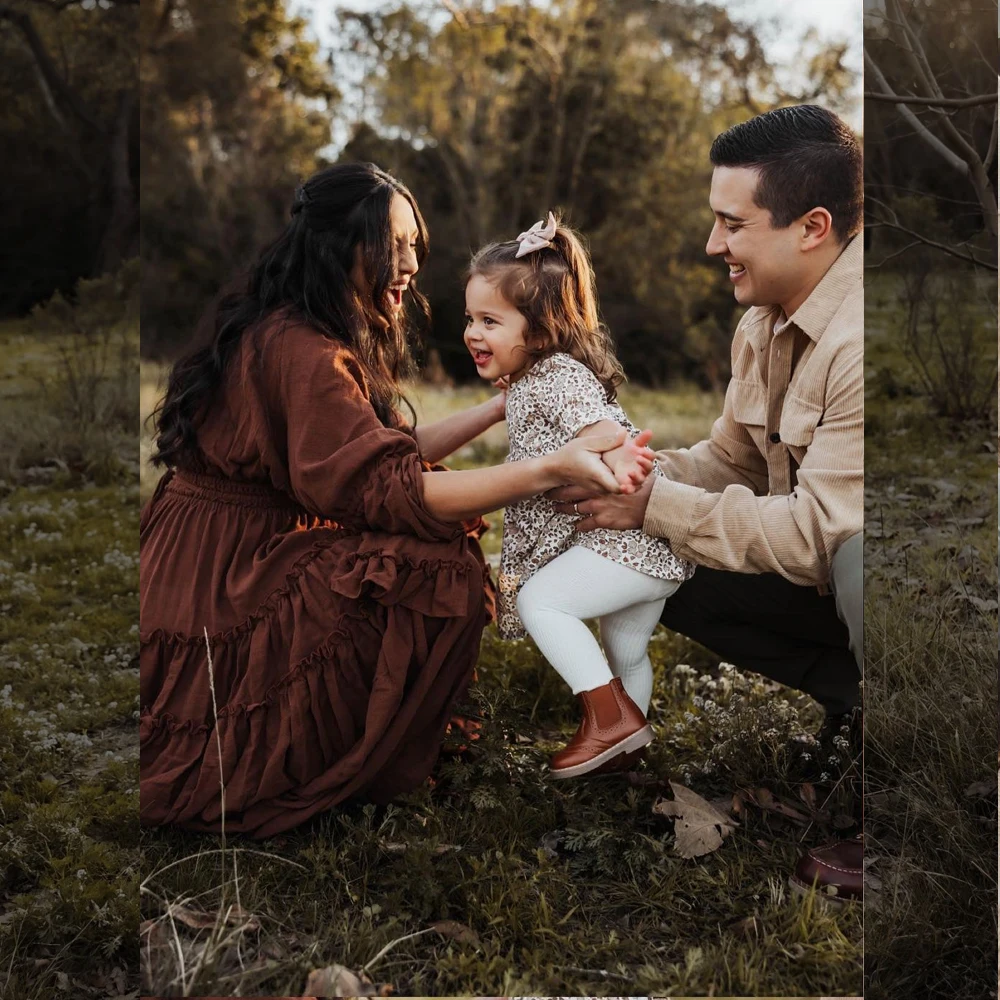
[(492, 115), (94, 382), (235, 99), (69, 132)]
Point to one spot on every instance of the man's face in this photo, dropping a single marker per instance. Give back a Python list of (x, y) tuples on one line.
[(767, 266)]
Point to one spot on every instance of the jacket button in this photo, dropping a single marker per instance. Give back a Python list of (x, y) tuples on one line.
[(774, 438)]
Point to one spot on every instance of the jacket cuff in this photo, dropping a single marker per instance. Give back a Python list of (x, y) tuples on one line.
[(670, 511)]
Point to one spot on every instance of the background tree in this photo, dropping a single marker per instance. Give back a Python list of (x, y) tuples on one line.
[(492, 114), (236, 103), (931, 124), (69, 130)]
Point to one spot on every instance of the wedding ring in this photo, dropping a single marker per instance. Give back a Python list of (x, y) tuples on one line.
[(576, 509)]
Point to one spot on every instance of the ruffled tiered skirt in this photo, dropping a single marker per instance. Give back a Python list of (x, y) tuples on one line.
[(335, 658)]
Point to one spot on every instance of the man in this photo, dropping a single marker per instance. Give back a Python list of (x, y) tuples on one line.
[(770, 506)]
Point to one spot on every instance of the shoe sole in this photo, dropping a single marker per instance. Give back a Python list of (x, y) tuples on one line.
[(640, 738), (823, 898)]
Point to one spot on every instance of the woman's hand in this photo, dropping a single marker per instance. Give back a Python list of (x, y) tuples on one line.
[(500, 401), (579, 463)]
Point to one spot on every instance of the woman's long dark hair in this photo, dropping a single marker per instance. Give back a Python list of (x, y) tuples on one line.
[(337, 213)]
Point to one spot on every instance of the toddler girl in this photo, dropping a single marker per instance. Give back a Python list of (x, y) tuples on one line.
[(531, 322)]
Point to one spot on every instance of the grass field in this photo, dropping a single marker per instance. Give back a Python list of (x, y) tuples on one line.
[(931, 677), (69, 857), (542, 890)]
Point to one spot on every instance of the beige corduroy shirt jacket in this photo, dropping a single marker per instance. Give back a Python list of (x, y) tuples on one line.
[(779, 484)]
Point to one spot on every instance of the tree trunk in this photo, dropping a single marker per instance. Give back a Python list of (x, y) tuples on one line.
[(119, 236)]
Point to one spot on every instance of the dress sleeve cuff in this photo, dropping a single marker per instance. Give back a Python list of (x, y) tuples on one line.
[(670, 511)]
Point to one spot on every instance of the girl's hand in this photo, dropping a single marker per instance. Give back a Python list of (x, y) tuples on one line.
[(579, 463), (633, 462)]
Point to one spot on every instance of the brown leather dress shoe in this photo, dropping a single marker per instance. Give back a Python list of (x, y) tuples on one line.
[(612, 724), (836, 871)]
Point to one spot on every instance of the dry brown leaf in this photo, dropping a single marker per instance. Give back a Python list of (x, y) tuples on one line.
[(457, 932), (767, 801), (748, 927), (807, 793), (199, 920), (699, 828), (398, 847), (337, 981), (981, 789)]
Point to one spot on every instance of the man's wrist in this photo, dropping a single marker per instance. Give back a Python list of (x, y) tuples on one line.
[(669, 510)]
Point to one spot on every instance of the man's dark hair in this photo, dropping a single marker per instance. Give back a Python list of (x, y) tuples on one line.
[(807, 157)]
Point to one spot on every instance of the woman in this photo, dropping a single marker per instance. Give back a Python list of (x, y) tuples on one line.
[(305, 580)]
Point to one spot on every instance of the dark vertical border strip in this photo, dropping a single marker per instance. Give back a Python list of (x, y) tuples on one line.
[(69, 503), (930, 450)]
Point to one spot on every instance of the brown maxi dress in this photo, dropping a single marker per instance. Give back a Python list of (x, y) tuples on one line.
[(343, 618)]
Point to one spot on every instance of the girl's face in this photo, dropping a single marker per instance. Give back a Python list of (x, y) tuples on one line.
[(494, 332)]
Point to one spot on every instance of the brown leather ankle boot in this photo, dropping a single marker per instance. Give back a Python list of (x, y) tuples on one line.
[(612, 724), (622, 763)]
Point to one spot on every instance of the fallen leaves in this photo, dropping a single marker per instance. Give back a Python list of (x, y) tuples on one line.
[(338, 981), (457, 932), (199, 920), (398, 847), (981, 790), (872, 883), (699, 827)]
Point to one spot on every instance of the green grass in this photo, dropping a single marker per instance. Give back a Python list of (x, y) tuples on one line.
[(931, 681), (68, 695), (572, 888)]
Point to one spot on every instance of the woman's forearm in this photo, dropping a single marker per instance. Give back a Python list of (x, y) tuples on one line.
[(460, 496), (463, 495), (438, 440)]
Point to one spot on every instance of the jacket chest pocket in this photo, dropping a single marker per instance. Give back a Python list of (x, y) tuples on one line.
[(748, 401), (799, 421)]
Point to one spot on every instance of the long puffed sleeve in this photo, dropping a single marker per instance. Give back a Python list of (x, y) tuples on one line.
[(342, 462)]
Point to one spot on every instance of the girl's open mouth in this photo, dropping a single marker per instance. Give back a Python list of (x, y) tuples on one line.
[(481, 358), (397, 294)]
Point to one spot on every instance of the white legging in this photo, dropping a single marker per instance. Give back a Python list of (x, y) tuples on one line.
[(578, 585)]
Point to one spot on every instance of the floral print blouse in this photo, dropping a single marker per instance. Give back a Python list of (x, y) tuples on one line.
[(546, 408)]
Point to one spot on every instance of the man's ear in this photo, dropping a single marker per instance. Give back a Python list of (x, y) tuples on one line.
[(817, 228)]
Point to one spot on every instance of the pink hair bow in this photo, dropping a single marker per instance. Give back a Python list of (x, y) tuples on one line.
[(537, 237)]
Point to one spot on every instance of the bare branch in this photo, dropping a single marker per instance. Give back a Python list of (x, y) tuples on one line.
[(968, 256), (950, 157), (936, 102), (991, 148)]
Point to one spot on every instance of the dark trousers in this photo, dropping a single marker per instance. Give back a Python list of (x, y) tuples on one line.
[(789, 633)]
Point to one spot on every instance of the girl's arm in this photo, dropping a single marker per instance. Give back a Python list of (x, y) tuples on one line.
[(460, 496), (438, 440)]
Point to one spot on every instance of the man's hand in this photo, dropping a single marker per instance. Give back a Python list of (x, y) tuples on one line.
[(621, 511)]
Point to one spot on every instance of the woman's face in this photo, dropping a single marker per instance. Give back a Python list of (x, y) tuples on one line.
[(404, 235)]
